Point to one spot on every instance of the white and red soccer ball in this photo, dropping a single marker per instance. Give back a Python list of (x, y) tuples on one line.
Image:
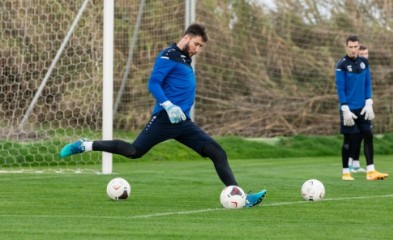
[(118, 189), (232, 197)]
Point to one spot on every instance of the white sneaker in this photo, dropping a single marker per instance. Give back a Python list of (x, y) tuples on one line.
[(356, 169)]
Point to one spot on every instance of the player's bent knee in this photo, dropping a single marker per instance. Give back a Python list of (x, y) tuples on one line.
[(127, 149), (134, 153), (214, 151)]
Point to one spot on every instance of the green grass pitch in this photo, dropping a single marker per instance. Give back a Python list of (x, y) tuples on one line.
[(180, 200)]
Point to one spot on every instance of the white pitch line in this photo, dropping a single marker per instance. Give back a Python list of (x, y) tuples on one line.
[(325, 199), (262, 205), (194, 211), (176, 213)]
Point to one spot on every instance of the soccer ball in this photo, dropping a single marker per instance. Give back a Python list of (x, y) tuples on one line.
[(313, 190), (232, 197), (118, 188)]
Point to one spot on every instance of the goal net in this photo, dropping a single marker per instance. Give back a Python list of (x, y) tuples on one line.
[(69, 105), (267, 70), (36, 53)]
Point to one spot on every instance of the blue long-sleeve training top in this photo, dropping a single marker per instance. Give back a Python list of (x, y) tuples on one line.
[(173, 79), (353, 81)]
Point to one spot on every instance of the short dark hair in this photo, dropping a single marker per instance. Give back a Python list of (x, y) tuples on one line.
[(362, 47), (352, 38), (196, 29)]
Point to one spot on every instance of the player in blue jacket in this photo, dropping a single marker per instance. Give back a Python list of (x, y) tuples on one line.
[(172, 83), (353, 82)]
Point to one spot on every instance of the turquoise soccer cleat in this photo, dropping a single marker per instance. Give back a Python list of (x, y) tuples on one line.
[(255, 198), (73, 148)]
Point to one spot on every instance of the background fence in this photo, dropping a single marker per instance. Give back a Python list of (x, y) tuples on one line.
[(268, 70)]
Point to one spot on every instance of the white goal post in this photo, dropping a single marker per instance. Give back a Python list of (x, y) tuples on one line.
[(107, 96)]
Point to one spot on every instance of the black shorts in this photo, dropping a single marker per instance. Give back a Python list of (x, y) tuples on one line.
[(361, 125), (160, 129)]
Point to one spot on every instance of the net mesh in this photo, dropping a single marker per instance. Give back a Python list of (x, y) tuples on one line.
[(70, 103)]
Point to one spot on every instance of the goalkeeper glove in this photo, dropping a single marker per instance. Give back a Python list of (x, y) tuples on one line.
[(348, 116), (368, 110), (175, 113)]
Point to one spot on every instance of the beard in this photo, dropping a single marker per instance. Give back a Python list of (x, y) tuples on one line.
[(186, 50)]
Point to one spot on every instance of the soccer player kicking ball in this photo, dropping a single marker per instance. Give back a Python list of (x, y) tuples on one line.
[(353, 82), (173, 85)]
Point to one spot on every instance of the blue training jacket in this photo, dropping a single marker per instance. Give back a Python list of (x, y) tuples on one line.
[(353, 81), (173, 79)]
